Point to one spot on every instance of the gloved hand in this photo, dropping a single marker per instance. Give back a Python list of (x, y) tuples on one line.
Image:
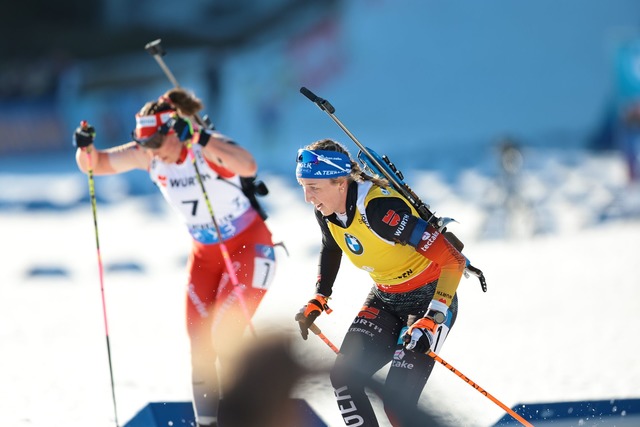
[(84, 135), (310, 312), (184, 130), (424, 334), (182, 126), (421, 335)]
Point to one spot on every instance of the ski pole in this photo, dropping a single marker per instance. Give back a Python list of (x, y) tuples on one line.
[(92, 196), (316, 330), (155, 49), (480, 389), (237, 289)]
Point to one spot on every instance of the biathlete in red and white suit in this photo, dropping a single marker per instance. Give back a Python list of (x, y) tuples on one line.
[(214, 312)]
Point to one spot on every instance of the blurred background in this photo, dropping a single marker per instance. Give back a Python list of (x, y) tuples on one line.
[(436, 85), (520, 119)]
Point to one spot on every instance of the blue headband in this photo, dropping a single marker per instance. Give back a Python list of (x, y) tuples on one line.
[(322, 164)]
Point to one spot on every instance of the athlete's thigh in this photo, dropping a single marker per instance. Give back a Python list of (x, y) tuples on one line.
[(202, 292), (370, 341), (253, 259), (407, 375)]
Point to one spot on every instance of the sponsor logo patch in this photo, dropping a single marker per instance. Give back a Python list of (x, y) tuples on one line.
[(399, 362), (391, 218), (353, 244), (428, 239), (369, 312)]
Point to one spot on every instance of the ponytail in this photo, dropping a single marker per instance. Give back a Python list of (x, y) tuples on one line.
[(357, 174), (176, 99)]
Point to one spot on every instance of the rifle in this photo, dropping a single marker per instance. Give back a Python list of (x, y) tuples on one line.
[(383, 167)]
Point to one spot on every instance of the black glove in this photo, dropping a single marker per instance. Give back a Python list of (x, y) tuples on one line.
[(182, 126), (84, 135), (184, 130), (310, 312)]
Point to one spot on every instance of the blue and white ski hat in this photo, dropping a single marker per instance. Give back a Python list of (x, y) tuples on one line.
[(322, 164)]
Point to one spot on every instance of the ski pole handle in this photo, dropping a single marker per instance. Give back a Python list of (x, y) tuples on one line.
[(155, 49), (320, 102)]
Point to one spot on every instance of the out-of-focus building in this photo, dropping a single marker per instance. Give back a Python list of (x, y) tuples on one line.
[(412, 76)]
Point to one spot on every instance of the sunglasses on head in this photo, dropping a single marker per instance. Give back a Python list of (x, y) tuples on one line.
[(309, 156)]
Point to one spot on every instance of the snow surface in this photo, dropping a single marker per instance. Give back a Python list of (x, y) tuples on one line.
[(557, 322)]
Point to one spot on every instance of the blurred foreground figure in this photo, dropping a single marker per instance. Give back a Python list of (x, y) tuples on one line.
[(258, 389), (168, 144), (260, 384)]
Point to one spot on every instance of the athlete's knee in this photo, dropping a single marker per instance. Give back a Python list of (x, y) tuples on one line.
[(340, 376), (346, 373)]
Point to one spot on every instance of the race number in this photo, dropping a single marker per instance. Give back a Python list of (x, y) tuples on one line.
[(264, 267)]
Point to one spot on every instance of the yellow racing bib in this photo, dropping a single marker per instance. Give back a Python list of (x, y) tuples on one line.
[(386, 262)]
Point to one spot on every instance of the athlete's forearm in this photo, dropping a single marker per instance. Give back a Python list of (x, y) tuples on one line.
[(114, 160)]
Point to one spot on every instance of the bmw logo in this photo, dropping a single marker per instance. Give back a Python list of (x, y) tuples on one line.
[(353, 244)]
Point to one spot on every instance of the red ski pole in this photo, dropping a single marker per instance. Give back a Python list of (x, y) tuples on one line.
[(155, 49), (237, 289)]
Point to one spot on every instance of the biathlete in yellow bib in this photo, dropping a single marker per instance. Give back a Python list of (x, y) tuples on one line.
[(412, 304)]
